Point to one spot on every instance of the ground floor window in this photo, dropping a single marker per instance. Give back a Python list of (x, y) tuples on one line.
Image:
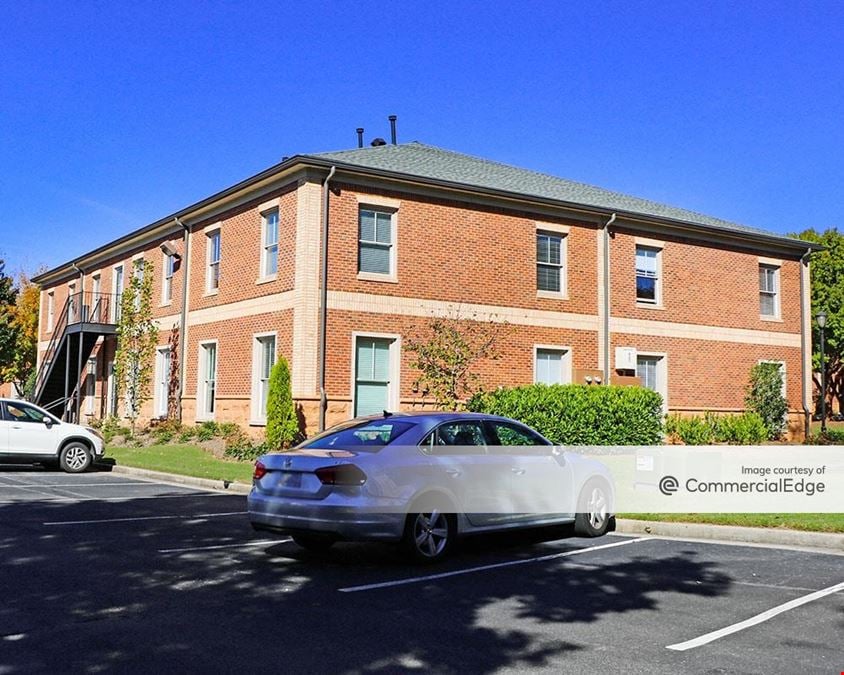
[(162, 381), (112, 391), (90, 385), (552, 365), (652, 372), (263, 360), (375, 386), (207, 394)]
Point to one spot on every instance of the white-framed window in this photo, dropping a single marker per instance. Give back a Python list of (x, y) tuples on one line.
[(550, 263), (551, 364), (375, 386), (648, 275), (162, 382), (51, 308), (111, 399), (376, 243), (652, 370), (72, 303), (90, 385), (116, 292), (769, 287), (269, 243), (169, 265), (206, 395), (263, 360), (213, 255), (138, 268)]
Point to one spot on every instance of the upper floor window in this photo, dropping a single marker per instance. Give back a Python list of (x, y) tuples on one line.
[(550, 262), (212, 273), (117, 292), (769, 282), (648, 281), (138, 268), (169, 272), (376, 243), (269, 243)]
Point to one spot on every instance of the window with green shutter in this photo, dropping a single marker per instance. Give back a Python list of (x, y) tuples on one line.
[(372, 375)]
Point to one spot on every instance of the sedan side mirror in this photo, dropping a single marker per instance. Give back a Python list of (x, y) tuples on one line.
[(48, 422)]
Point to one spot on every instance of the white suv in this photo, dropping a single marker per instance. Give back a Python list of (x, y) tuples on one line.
[(29, 434)]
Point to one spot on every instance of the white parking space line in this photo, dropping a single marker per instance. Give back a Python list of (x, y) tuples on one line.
[(126, 520), (752, 621), (220, 546), (484, 568), (58, 499), (73, 485)]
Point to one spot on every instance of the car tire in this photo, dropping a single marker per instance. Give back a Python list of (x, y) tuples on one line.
[(429, 537), (593, 517), (313, 543), (75, 457)]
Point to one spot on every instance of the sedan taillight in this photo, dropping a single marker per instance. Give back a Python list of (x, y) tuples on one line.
[(341, 474), (260, 471)]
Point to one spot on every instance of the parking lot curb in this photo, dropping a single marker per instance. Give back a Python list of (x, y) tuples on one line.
[(733, 533), (189, 481)]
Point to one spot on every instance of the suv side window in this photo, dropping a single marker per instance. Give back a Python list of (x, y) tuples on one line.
[(18, 412), (456, 438)]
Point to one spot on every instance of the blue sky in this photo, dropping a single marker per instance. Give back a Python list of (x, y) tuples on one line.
[(114, 114)]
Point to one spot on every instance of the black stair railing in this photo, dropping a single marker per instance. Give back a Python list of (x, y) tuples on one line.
[(80, 308)]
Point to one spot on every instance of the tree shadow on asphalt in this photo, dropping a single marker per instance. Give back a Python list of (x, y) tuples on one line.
[(100, 598)]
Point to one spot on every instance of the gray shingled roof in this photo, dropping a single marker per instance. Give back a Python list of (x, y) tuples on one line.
[(426, 161)]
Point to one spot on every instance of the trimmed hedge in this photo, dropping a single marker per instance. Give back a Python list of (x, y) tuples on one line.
[(576, 414)]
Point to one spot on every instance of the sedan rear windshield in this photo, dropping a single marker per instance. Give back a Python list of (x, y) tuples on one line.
[(369, 436)]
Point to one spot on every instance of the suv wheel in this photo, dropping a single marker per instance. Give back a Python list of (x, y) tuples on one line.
[(75, 457), (593, 517)]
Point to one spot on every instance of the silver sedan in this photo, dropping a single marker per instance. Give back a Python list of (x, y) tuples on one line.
[(423, 480)]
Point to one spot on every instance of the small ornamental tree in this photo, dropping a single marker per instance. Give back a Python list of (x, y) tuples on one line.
[(20, 370), (282, 423), (765, 397), (8, 328), (446, 352), (174, 410), (137, 338)]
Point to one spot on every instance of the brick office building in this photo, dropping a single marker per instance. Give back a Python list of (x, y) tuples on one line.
[(593, 284)]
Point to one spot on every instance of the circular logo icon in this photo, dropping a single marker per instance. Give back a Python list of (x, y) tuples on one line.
[(668, 485)]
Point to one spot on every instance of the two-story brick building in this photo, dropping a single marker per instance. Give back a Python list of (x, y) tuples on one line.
[(591, 282)]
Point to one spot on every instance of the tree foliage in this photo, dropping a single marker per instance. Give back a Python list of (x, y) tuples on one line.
[(137, 338), (765, 397), (282, 423), (8, 329), (827, 291), (24, 318), (446, 352)]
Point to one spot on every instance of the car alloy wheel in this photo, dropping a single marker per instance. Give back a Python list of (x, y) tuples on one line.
[(593, 509), (75, 458), (430, 535)]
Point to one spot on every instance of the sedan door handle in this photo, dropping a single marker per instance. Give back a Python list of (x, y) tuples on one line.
[(17, 426), (518, 472), (452, 472)]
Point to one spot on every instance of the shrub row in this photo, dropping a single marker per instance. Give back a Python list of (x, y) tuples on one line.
[(574, 414), (745, 429)]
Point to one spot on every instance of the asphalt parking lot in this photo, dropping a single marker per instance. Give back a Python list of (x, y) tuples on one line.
[(105, 573)]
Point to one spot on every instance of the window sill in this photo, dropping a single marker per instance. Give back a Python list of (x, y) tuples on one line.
[(372, 276), (257, 423), (266, 279), (772, 319), (169, 303), (209, 294), (204, 418), (647, 305), (552, 295)]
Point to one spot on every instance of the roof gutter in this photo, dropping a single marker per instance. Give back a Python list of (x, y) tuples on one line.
[(605, 297)]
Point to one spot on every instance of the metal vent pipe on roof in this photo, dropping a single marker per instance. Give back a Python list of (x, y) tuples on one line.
[(359, 131), (392, 119)]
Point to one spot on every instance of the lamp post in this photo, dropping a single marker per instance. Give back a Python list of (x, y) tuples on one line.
[(821, 319)]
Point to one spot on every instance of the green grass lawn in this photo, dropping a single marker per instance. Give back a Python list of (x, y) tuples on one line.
[(186, 460)]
